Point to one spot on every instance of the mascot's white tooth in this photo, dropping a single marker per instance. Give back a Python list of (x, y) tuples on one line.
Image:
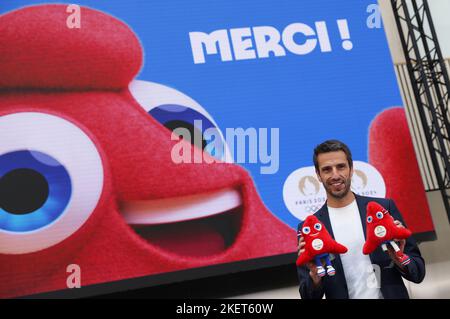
[(170, 210)]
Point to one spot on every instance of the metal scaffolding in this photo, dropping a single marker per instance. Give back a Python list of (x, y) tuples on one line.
[(430, 82)]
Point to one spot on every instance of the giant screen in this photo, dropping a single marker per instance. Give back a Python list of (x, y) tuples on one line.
[(146, 138)]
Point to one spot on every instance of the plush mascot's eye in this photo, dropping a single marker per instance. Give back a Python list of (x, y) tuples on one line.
[(369, 219), (306, 230), (181, 114), (380, 215), (318, 226), (51, 178)]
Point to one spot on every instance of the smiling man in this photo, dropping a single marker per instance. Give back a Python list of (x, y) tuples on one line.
[(358, 276)]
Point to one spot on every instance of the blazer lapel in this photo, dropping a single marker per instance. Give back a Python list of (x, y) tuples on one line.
[(362, 203)]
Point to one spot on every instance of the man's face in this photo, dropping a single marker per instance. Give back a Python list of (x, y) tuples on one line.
[(335, 173)]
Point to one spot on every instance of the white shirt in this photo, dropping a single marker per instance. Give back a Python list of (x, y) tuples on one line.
[(362, 281)]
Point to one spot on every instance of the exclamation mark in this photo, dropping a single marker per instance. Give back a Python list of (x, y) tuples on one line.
[(345, 34)]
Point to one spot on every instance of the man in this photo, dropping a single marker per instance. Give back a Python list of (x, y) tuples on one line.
[(376, 276)]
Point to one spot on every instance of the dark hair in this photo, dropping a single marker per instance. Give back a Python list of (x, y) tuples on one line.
[(332, 146)]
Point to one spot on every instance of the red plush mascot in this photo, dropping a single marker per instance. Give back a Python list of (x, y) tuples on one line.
[(381, 230), (99, 194), (318, 245)]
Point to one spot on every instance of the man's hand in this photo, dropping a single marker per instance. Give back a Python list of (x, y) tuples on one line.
[(401, 244), (311, 265)]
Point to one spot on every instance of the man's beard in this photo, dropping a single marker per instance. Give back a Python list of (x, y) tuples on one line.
[(340, 194)]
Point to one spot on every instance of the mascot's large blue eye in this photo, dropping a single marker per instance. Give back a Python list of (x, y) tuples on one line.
[(175, 117), (177, 111), (34, 190), (51, 180)]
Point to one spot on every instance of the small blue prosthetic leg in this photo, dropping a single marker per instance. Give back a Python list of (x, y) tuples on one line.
[(320, 270)]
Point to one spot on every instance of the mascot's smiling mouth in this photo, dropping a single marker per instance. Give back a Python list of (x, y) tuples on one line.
[(195, 225)]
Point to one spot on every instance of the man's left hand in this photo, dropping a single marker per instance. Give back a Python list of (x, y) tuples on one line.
[(401, 244)]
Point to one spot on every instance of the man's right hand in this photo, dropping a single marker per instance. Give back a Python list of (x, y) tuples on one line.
[(311, 265)]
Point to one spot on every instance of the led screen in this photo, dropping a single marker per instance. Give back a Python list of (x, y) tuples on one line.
[(143, 138)]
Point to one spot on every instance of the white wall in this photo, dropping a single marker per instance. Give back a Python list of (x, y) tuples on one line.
[(390, 28), (440, 11), (436, 255)]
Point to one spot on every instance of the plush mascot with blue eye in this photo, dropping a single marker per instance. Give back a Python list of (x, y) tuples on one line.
[(318, 246)]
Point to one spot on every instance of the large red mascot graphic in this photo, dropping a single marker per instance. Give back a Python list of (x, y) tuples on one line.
[(86, 175), (391, 152)]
